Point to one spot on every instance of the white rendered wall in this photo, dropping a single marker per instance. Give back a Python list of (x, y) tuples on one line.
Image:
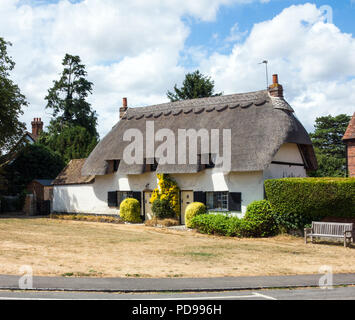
[(250, 184), (92, 198)]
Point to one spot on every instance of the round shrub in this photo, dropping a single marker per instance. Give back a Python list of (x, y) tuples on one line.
[(130, 210), (259, 220), (162, 208), (192, 210)]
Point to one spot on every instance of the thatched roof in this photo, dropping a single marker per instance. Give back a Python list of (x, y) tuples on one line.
[(260, 125), (350, 131), (71, 174)]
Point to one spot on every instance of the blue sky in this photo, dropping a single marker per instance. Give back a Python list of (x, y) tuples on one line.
[(246, 15), (139, 49)]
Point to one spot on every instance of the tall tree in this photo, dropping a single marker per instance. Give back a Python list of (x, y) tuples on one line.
[(67, 98), (72, 130), (11, 102), (195, 85), (71, 143), (329, 147)]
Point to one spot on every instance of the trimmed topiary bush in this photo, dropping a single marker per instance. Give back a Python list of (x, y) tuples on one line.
[(299, 201), (192, 210), (162, 208), (130, 210), (259, 220)]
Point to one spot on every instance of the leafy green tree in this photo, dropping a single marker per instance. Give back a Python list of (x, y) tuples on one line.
[(195, 85), (11, 102), (34, 161), (67, 98), (72, 142), (72, 130), (329, 147)]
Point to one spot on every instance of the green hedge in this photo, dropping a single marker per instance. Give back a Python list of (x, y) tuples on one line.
[(259, 221), (217, 224), (298, 201)]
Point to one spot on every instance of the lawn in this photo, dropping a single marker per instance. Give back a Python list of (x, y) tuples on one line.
[(76, 248)]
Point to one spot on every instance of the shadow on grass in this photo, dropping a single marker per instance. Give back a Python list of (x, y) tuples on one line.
[(19, 215), (339, 243)]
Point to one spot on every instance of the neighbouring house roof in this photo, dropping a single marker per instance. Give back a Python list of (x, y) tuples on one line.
[(44, 182), (27, 138), (71, 174), (350, 131), (31, 136), (260, 124)]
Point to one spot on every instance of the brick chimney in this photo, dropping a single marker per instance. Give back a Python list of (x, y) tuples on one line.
[(349, 140), (37, 127), (276, 89), (124, 107)]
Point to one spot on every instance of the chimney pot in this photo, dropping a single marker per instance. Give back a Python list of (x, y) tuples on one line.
[(275, 79), (124, 107), (276, 89), (37, 127)]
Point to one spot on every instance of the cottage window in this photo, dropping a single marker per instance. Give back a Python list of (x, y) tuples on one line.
[(121, 195), (116, 163), (220, 201), (150, 166), (154, 166), (210, 164), (217, 200)]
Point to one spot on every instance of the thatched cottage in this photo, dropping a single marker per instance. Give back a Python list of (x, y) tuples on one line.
[(266, 141)]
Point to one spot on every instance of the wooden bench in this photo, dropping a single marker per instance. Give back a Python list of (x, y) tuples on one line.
[(330, 230)]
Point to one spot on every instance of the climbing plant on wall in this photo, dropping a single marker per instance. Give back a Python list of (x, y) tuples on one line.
[(167, 189)]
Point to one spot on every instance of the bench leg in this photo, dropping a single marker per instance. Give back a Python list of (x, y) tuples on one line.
[(305, 238)]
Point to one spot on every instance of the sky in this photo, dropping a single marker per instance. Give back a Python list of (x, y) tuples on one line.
[(140, 49)]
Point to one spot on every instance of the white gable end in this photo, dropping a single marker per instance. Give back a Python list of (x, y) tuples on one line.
[(287, 163)]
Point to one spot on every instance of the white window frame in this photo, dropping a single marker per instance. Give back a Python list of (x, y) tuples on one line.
[(213, 194)]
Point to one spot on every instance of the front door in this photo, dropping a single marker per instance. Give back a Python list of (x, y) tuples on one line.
[(186, 198), (148, 213)]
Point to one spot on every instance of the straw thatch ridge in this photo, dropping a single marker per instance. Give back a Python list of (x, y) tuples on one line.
[(260, 125)]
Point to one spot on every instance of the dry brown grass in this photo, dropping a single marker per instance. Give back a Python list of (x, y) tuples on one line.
[(89, 218), (76, 248), (168, 222)]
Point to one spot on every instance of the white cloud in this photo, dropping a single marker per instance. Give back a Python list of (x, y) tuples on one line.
[(235, 34), (314, 60), (134, 49), (131, 48)]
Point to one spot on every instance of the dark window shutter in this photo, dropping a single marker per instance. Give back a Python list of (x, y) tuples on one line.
[(119, 198), (138, 196), (200, 196), (235, 201), (112, 199)]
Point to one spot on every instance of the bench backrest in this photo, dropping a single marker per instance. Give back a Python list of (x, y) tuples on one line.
[(332, 228)]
